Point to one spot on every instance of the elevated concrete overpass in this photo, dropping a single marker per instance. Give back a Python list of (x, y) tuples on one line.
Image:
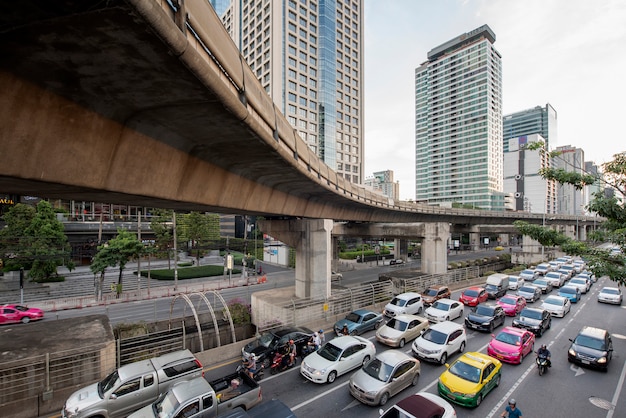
[(143, 102)]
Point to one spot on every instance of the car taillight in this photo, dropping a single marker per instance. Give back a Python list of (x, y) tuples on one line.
[(200, 366)]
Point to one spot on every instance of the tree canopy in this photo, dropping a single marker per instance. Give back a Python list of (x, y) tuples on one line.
[(117, 252), (612, 211)]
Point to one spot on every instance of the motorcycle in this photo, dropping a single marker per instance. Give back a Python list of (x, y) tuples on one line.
[(542, 364), (280, 363), (258, 373)]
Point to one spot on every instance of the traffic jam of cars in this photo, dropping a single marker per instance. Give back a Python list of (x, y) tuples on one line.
[(435, 326)]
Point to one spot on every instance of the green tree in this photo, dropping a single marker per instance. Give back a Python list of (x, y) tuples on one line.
[(34, 240), (197, 228), (116, 252), (610, 209), (161, 226)]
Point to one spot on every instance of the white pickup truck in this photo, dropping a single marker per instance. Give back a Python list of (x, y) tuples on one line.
[(132, 386), (198, 398)]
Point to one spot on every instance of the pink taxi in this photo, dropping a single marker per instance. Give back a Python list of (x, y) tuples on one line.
[(512, 304), (511, 345)]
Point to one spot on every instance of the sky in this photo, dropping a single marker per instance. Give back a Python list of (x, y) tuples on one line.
[(569, 53)]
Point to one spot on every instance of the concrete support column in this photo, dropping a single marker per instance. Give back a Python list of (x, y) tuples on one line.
[(474, 238), (311, 240), (529, 245), (570, 231), (434, 247), (401, 248), (582, 233)]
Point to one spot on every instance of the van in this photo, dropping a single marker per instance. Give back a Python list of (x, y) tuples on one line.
[(497, 285)]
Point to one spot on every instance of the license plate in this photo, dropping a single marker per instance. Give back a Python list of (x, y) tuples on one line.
[(584, 362)]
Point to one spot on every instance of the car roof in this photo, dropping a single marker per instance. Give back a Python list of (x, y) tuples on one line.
[(477, 359), (408, 295), (286, 330), (393, 356), (609, 288), (555, 297), (516, 331), (418, 404), (345, 341), (436, 286), (191, 388), (475, 288), (533, 309), (363, 311), (446, 300), (593, 332), (446, 326)]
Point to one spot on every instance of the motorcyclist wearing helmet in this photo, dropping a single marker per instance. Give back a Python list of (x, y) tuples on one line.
[(545, 353), (511, 410)]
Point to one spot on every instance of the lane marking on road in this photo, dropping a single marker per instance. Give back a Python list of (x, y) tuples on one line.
[(618, 390), (294, 408)]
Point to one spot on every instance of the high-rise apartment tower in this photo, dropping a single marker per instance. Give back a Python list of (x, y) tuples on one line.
[(308, 55), (458, 123)]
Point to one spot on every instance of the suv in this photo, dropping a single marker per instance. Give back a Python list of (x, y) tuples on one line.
[(404, 303), (440, 341), (269, 342), (434, 293), (535, 320), (592, 347)]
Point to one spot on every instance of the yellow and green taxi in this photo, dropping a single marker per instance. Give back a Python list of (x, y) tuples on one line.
[(469, 379)]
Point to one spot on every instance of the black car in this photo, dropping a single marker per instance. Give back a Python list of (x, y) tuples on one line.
[(535, 320), (271, 341), (592, 347), (485, 317)]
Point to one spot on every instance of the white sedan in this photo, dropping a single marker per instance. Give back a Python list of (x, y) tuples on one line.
[(557, 305), (422, 404), (444, 310), (338, 356), (581, 283), (610, 295)]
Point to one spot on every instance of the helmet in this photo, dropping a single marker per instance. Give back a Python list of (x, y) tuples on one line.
[(321, 331), (543, 346), (512, 402), (345, 325), (290, 341)]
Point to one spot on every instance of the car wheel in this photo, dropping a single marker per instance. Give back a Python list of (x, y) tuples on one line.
[(353, 333), (549, 323), (491, 327), (25, 320), (498, 381), (366, 359), (479, 400), (266, 362), (378, 324), (540, 332), (415, 380), (462, 347), (331, 377), (444, 358), (419, 310), (383, 399), (401, 344)]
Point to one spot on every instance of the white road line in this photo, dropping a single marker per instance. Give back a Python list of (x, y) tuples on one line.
[(319, 396), (618, 390)]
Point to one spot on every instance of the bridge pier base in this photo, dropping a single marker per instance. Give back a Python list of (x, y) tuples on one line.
[(434, 247), (311, 239)]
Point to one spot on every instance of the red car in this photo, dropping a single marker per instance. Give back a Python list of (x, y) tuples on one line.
[(10, 314), (474, 295), (511, 345), (512, 304)]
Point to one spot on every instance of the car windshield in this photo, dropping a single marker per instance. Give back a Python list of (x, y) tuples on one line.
[(434, 336), (471, 293), (465, 371), (552, 301), (590, 342), (554, 274), (567, 290), (441, 306), (20, 308), (330, 352), (266, 339), (610, 291), (505, 337), (541, 282), (508, 301), (484, 310), (108, 383), (166, 406), (578, 281), (398, 302), (397, 325), (431, 292), (527, 289), (491, 287), (531, 314), (512, 279), (353, 317), (378, 370), (528, 272)]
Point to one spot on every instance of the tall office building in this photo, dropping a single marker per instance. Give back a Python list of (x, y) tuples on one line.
[(382, 181), (220, 6), (308, 55), (458, 123), (538, 120), (530, 191)]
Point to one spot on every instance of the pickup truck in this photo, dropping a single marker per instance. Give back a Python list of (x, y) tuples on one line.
[(198, 398), (132, 386), (270, 409)]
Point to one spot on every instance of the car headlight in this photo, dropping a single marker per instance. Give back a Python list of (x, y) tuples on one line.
[(602, 360), (571, 352), (485, 323), (372, 393)]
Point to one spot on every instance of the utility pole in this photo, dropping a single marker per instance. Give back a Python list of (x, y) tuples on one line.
[(139, 256), (175, 254)]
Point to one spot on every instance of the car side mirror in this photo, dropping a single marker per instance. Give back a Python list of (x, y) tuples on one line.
[(570, 339)]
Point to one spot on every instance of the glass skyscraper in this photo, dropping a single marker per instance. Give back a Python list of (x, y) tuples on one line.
[(308, 55), (458, 123), (538, 120)]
